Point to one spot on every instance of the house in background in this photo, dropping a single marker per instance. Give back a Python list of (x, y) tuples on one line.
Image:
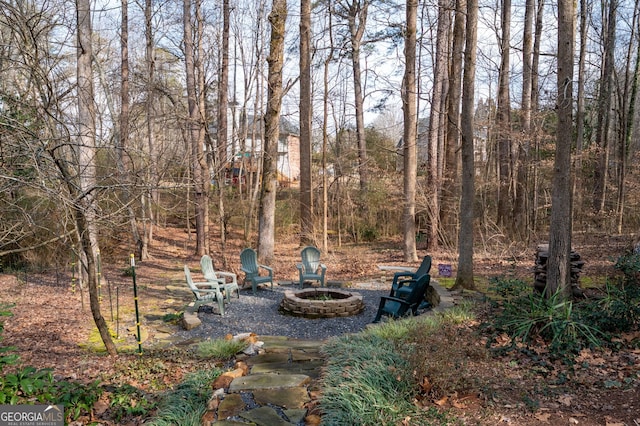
[(247, 158), (483, 113)]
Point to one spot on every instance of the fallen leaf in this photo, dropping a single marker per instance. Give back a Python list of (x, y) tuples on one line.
[(442, 401), (543, 417), (565, 400), (608, 421), (426, 385)]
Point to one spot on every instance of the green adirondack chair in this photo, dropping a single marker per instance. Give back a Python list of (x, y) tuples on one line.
[(251, 268), (205, 292), (397, 307), (210, 274), (399, 286), (311, 269)]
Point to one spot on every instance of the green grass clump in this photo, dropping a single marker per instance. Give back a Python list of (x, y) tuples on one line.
[(187, 403), (221, 349), (366, 382)]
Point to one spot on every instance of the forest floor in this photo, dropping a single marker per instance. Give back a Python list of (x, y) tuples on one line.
[(51, 327)]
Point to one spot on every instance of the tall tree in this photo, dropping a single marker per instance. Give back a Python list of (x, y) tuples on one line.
[(410, 110), (558, 265), (195, 134), (222, 131), (464, 277), (355, 12), (266, 223), (503, 121), (151, 195), (306, 207), (627, 117), (580, 106), (450, 191), (437, 119), (86, 205), (604, 110), (122, 139), (520, 217)]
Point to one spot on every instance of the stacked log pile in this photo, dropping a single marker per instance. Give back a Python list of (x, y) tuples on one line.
[(540, 271)]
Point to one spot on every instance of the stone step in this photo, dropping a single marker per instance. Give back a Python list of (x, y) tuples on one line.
[(254, 382)]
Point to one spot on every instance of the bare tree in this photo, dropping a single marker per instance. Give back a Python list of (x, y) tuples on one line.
[(410, 110), (150, 198), (503, 121), (604, 110), (464, 277), (196, 133), (266, 225), (437, 118), (449, 204), (85, 206), (558, 265), (223, 131), (306, 206), (355, 12)]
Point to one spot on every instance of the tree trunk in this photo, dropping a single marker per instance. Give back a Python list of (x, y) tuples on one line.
[(223, 104), (325, 133), (437, 119), (520, 222), (85, 209), (580, 109), (464, 277), (604, 112), (151, 195), (630, 93), (123, 132), (306, 206), (558, 265), (357, 22), (277, 19), (409, 108), (194, 126), (503, 123), (450, 191)]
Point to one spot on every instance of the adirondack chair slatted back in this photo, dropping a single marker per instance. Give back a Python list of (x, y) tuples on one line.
[(310, 259), (424, 268), (206, 264), (250, 266), (397, 307), (311, 269), (249, 261)]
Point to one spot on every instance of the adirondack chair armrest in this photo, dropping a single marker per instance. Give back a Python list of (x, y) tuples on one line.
[(205, 292), (299, 266), (394, 299), (208, 285), (268, 269), (245, 270), (398, 275), (323, 266), (403, 283), (231, 275)]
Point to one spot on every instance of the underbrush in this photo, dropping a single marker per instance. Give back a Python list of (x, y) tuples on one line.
[(121, 403), (374, 377), (566, 326)]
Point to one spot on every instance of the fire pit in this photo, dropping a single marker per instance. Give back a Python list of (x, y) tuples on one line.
[(321, 303)]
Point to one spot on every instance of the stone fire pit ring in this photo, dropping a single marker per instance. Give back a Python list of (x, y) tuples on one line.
[(321, 303)]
